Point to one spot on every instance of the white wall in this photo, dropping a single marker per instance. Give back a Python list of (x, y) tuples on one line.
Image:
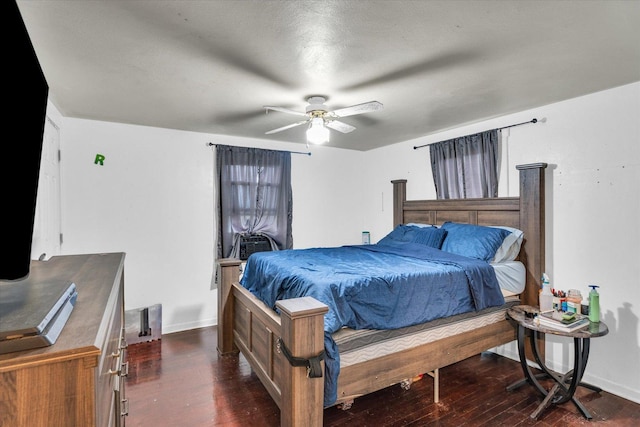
[(153, 200), (592, 146), (150, 199), (327, 206)]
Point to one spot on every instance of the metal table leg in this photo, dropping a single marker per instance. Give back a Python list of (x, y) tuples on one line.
[(561, 392)]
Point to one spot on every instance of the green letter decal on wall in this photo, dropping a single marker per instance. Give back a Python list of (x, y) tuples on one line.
[(99, 159)]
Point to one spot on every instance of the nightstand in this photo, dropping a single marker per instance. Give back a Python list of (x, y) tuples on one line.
[(566, 384)]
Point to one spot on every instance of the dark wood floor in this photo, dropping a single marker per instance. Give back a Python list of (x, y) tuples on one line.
[(180, 381)]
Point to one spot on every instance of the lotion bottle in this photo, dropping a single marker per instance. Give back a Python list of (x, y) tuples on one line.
[(594, 304), (546, 297)]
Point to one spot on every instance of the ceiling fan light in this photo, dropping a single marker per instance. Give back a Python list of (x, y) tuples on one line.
[(317, 132)]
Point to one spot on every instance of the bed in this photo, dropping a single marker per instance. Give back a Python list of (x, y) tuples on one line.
[(285, 341)]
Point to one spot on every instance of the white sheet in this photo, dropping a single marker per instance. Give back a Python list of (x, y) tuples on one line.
[(511, 276)]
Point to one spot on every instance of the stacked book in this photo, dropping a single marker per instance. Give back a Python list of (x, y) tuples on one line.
[(561, 321)]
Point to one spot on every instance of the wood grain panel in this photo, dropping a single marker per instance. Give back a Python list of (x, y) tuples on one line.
[(278, 360), (303, 334), (254, 321), (242, 321), (422, 217), (504, 218), (8, 399), (382, 372), (228, 273), (261, 339)]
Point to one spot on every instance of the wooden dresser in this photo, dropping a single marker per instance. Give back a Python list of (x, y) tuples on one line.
[(79, 380)]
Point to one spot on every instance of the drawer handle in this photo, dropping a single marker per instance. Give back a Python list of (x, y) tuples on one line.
[(124, 371), (114, 354)]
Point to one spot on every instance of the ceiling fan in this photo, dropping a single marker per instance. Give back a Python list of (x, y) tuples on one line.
[(321, 119)]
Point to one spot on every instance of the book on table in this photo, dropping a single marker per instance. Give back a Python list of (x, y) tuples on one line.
[(555, 320)]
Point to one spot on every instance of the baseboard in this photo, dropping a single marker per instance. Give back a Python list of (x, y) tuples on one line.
[(185, 326)]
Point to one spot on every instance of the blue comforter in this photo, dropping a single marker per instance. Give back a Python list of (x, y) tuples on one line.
[(373, 287)]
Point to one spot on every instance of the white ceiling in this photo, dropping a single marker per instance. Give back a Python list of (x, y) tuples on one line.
[(211, 66)]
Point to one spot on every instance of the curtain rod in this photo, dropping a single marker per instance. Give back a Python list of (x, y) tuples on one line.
[(534, 120), (211, 144)]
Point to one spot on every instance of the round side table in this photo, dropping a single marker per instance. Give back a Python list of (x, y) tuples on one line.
[(566, 384)]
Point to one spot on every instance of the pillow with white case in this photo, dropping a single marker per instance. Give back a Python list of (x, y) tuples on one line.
[(510, 247)]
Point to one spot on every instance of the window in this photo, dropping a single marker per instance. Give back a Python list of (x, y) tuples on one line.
[(254, 197)]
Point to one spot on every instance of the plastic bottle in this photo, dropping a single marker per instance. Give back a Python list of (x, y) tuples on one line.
[(594, 304), (546, 297)]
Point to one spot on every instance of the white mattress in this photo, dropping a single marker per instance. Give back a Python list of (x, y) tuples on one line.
[(511, 277), (432, 332)]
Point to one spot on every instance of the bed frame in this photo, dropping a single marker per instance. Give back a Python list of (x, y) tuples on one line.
[(247, 325)]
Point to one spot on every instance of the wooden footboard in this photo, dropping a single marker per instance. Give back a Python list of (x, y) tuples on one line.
[(372, 375), (246, 324)]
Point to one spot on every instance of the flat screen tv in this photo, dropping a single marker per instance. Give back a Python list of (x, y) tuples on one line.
[(25, 104)]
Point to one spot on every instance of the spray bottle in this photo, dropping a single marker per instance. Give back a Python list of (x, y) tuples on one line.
[(546, 297), (594, 304)]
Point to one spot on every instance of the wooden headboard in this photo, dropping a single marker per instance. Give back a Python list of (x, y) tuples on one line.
[(525, 213)]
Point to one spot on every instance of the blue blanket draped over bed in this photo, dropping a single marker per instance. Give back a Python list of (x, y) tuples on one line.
[(373, 287)]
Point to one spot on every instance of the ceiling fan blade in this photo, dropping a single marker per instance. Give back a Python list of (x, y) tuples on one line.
[(428, 65), (285, 110), (286, 127), (340, 126), (367, 107)]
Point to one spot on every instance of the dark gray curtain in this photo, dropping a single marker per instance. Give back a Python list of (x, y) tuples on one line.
[(254, 197), (466, 167)]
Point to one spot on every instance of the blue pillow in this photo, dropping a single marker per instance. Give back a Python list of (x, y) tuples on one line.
[(397, 235), (473, 241), (428, 236)]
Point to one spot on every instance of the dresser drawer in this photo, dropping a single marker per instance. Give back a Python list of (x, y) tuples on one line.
[(112, 364), (121, 409)]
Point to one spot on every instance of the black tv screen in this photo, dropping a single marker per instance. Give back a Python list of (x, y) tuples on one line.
[(25, 101)]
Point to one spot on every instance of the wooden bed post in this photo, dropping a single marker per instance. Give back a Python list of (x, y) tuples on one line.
[(302, 398), (229, 273), (532, 217), (399, 197), (532, 223)]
